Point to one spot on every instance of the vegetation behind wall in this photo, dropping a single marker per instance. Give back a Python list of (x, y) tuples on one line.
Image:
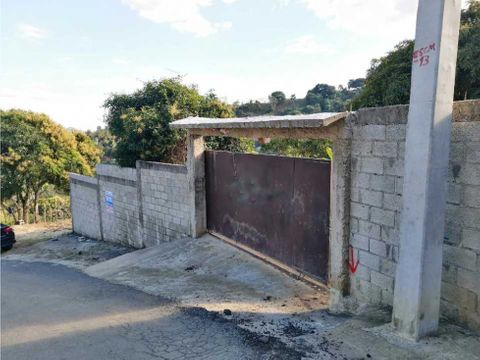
[(36, 156)]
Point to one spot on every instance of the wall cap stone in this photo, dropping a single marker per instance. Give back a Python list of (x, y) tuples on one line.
[(116, 171), (83, 178), (173, 168), (463, 111)]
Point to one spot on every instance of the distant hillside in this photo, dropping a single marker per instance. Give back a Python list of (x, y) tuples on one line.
[(321, 98)]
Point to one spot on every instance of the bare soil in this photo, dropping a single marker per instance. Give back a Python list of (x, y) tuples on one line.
[(30, 234)]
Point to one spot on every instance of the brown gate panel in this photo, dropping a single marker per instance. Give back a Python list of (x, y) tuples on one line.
[(276, 205)]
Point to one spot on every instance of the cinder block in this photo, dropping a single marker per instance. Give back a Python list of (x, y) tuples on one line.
[(387, 267), (399, 185), (449, 273), (359, 210), (457, 151), (392, 202), (355, 194), (470, 174), (396, 132), (394, 253), (390, 235), (449, 310), (469, 217), (370, 197), (454, 194), (387, 297), (463, 258), (372, 165), (362, 272), (361, 180), (452, 235), (369, 132), (368, 292), (461, 297), (385, 183), (472, 196), (469, 280), (360, 242), (369, 229), (471, 239), (473, 152), (370, 260), (382, 217), (381, 280), (385, 148), (394, 167), (361, 147), (354, 226), (378, 247), (401, 150)]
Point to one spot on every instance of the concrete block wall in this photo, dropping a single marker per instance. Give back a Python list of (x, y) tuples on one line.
[(378, 147), (120, 222), (164, 198), (84, 206), (461, 265), (139, 207)]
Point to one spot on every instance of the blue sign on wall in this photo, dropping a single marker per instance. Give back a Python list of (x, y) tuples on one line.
[(108, 201)]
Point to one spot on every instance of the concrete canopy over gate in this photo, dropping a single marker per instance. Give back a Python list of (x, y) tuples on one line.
[(331, 126)]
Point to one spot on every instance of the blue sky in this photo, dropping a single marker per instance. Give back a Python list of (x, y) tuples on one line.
[(64, 57)]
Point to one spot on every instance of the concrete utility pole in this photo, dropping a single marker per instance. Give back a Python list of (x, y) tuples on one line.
[(418, 279)]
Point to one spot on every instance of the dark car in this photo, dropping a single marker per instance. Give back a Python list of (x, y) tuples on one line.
[(8, 237)]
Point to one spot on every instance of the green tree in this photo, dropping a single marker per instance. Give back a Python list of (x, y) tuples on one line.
[(468, 69), (212, 107), (320, 95), (253, 108), (140, 121), (35, 151), (356, 83), (105, 141), (308, 148), (389, 78), (277, 100), (90, 151)]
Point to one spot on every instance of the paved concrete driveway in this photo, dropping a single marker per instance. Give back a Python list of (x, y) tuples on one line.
[(53, 312)]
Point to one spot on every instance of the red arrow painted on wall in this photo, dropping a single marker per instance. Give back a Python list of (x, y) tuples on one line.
[(352, 265)]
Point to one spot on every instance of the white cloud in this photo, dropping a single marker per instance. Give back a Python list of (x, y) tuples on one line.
[(394, 19), (30, 31), (389, 19), (280, 3), (78, 103), (306, 45), (80, 109), (182, 15), (64, 59), (120, 61)]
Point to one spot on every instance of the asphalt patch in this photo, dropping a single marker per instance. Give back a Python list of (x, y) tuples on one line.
[(271, 347)]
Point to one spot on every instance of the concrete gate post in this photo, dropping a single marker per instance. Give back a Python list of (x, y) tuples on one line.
[(418, 278), (339, 223), (196, 184)]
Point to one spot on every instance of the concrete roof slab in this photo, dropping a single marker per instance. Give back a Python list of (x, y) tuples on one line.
[(261, 122)]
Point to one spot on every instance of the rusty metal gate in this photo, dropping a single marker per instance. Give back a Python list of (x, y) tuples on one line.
[(276, 205)]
